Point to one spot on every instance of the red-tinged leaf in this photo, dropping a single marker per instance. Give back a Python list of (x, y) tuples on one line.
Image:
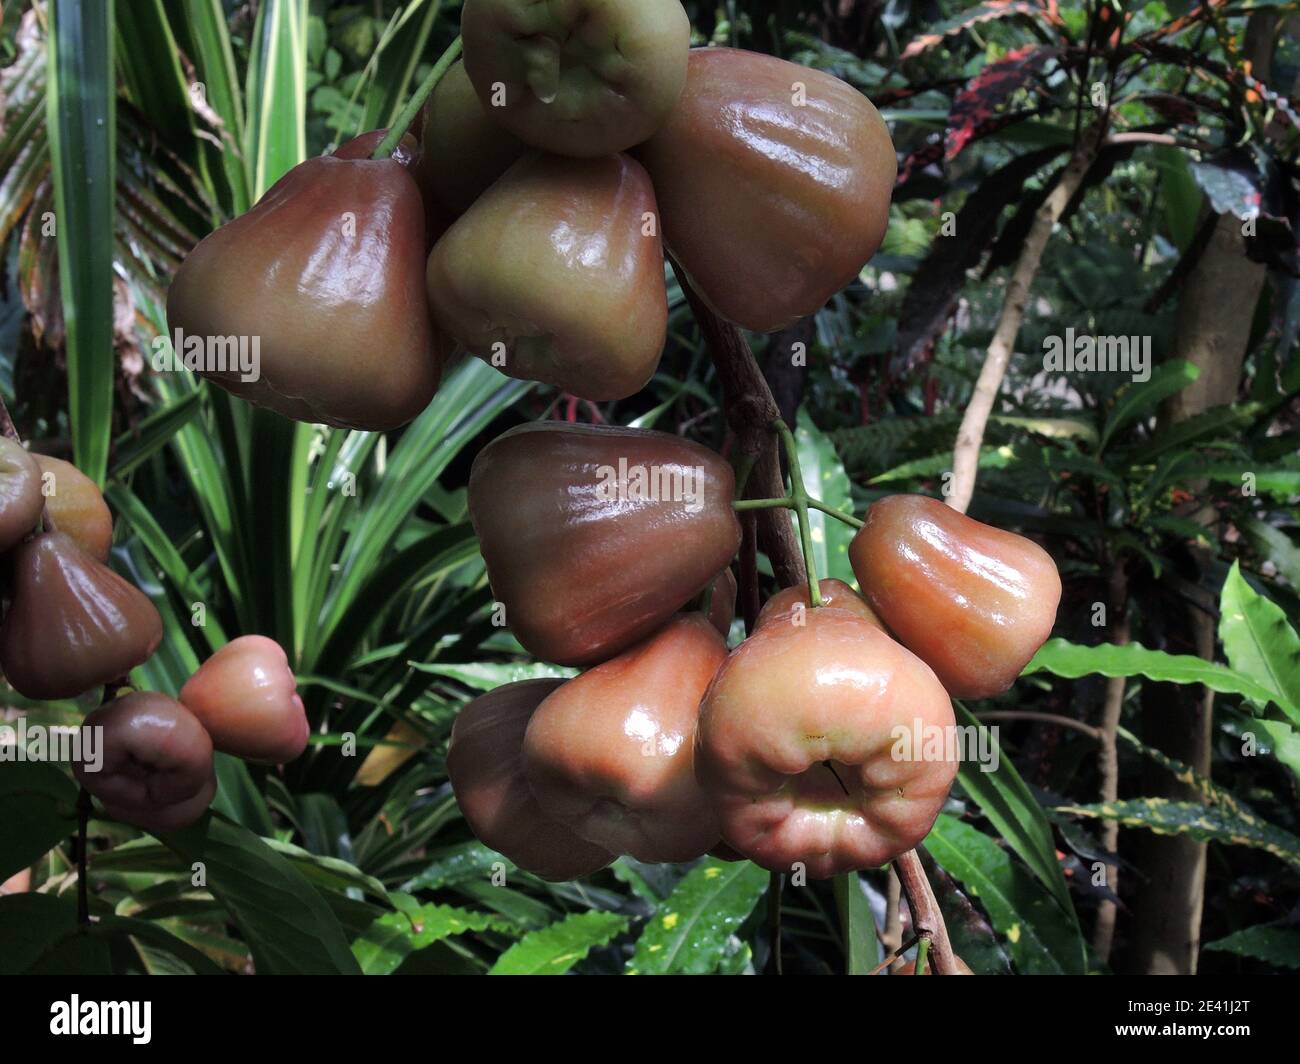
[(994, 9), (988, 90), (941, 276), (933, 151)]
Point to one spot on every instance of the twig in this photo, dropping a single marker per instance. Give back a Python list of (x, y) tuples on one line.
[(966, 453), (750, 411), (1045, 718), (895, 954), (1103, 931), (926, 917)]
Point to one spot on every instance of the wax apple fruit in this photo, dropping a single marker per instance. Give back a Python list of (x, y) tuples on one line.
[(465, 150), (156, 770), (799, 746), (485, 766), (791, 603), (246, 696), (611, 753), (595, 535), (556, 274), (21, 501), (73, 623), (975, 602), (774, 181), (76, 506), (577, 77), (324, 272)]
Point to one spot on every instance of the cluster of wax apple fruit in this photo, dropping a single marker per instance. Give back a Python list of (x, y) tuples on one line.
[(670, 746), (73, 625), (520, 230)]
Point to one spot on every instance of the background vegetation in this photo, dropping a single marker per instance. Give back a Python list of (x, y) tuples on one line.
[(1144, 817)]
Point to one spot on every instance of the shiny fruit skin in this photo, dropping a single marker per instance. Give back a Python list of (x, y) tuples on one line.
[(834, 593), (770, 207), (484, 762), (76, 506), (611, 753), (579, 77), (325, 270), (73, 623), (21, 500), (789, 699), (555, 275), (246, 696), (465, 151), (975, 602), (363, 146), (584, 567), (157, 770)]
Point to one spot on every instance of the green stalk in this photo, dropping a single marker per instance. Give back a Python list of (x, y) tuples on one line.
[(799, 496), (922, 954), (407, 114)]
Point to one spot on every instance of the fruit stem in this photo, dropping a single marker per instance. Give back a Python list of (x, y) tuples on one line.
[(407, 114), (839, 515), (762, 504), (799, 503), (927, 917), (922, 955)]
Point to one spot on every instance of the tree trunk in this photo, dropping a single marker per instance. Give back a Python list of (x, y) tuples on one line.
[(1215, 312)]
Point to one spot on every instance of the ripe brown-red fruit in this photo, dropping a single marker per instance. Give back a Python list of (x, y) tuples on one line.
[(975, 602), (247, 698), (594, 536), (485, 765)]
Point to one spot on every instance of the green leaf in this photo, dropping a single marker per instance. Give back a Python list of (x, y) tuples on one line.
[(1275, 546), (857, 925), (238, 797), (1005, 798), (1072, 660), (689, 931), (826, 481), (555, 949), (41, 937), (80, 97), (1224, 420), (329, 873), (454, 864), (288, 926), (277, 92), (1234, 826), (1273, 945), (47, 798), (1042, 938), (159, 937), (1258, 640), (396, 935), (487, 676), (136, 446), (1137, 399)]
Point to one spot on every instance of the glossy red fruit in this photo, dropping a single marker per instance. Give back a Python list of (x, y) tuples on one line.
[(485, 766), (800, 746), (572, 293), (247, 698), (156, 770), (774, 181), (579, 77), (611, 753), (594, 536), (973, 601), (73, 623), (407, 152), (75, 505), (793, 603), (21, 501), (325, 272), (465, 151)]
